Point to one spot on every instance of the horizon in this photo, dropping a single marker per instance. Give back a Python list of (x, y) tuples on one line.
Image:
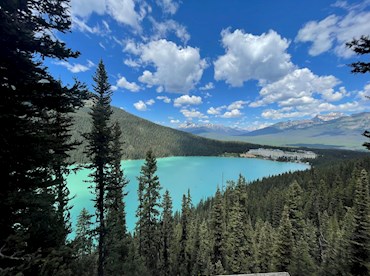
[(241, 64)]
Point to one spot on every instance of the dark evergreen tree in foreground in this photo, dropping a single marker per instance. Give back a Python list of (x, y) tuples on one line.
[(100, 139), (148, 213), (360, 46), (34, 137), (167, 236), (116, 239)]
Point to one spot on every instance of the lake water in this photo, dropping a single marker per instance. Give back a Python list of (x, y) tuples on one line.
[(201, 175)]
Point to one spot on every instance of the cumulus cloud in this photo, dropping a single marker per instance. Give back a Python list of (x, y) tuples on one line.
[(187, 100), (234, 113), (140, 105), (215, 111), (298, 88), (122, 11), (76, 67), (165, 99), (334, 31), (208, 86), (193, 114), (173, 121), (247, 56), (168, 6), (131, 86), (177, 69), (131, 63), (162, 29), (237, 105), (150, 102)]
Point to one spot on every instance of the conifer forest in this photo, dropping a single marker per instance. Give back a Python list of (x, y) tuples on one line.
[(312, 222)]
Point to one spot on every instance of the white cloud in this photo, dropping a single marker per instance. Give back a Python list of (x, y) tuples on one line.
[(187, 100), (131, 63), (178, 69), (298, 88), (131, 86), (165, 99), (334, 31), (235, 113), (150, 102), (237, 105), (208, 86), (82, 26), (172, 121), (193, 114), (168, 6), (85, 8), (122, 11), (250, 56), (162, 29), (140, 105), (215, 111), (76, 67), (316, 107)]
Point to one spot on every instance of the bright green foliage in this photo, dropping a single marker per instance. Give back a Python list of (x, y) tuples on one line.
[(100, 138), (284, 242), (360, 236), (116, 238), (148, 214), (167, 237)]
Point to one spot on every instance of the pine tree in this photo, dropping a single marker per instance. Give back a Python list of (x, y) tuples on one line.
[(98, 150), (360, 237), (218, 227), (149, 216), (28, 102), (361, 47), (167, 236), (294, 204), (85, 262), (116, 238), (284, 242)]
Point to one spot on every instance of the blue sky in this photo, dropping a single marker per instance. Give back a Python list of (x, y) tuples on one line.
[(239, 63)]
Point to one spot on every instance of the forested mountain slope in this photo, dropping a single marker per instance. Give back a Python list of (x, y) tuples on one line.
[(140, 135)]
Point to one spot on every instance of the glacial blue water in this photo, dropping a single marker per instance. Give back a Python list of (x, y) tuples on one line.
[(201, 175)]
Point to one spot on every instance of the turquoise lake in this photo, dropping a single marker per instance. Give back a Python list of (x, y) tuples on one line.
[(201, 175)]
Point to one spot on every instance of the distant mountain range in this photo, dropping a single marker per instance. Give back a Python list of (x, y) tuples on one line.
[(333, 130), (140, 135)]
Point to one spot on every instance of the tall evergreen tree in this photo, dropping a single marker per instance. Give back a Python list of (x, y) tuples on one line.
[(184, 259), (116, 238), (148, 220), (218, 228), (167, 236), (28, 102), (284, 242), (100, 138), (360, 237)]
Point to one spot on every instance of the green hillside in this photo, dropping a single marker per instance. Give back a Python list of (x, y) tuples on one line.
[(139, 135)]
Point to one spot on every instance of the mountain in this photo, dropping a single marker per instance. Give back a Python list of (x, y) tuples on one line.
[(210, 129), (333, 130), (140, 135), (296, 124)]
